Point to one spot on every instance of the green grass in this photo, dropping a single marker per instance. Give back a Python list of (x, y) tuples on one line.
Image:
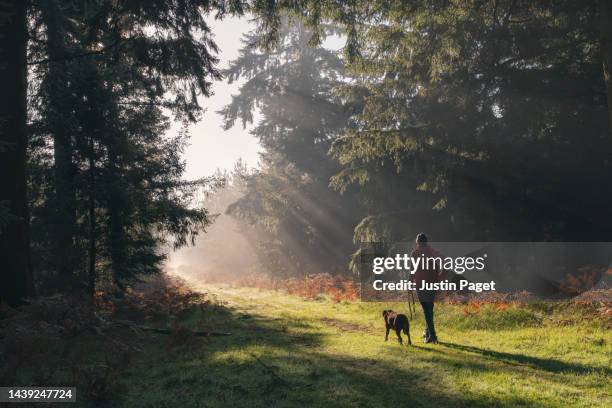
[(286, 352)]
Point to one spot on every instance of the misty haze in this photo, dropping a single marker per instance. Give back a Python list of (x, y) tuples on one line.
[(206, 203)]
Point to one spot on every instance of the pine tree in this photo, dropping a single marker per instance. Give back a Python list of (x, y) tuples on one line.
[(60, 104), (106, 73), (480, 120), (15, 273), (308, 226)]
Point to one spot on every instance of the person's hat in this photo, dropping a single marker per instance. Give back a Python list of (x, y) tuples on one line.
[(421, 237)]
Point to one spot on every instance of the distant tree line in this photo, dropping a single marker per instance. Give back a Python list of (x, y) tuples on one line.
[(301, 225), (473, 120)]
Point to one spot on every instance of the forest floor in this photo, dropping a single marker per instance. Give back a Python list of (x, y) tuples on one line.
[(288, 352), (285, 351)]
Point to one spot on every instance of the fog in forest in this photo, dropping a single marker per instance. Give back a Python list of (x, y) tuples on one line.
[(348, 154), (214, 203), (235, 245), (224, 253)]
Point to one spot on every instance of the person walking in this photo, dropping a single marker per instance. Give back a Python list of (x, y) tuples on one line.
[(424, 274)]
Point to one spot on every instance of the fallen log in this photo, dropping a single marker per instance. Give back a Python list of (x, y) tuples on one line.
[(193, 332)]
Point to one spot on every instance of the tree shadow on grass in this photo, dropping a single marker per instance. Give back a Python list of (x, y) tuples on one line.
[(546, 364), (278, 362)]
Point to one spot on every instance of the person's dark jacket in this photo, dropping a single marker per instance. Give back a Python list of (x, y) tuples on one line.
[(423, 274)]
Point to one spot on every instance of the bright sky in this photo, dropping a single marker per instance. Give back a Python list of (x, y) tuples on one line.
[(210, 146)]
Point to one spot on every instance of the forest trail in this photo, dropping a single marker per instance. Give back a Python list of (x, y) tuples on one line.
[(286, 351)]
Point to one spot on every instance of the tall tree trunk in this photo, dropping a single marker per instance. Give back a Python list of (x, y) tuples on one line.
[(92, 216), (605, 10), (116, 222), (15, 273), (65, 199)]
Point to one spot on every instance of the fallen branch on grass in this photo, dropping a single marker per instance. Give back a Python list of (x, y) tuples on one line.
[(277, 379), (132, 325), (169, 331), (118, 343)]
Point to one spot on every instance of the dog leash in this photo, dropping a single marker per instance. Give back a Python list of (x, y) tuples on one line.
[(411, 302)]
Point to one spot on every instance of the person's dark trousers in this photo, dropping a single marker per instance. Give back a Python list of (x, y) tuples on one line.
[(426, 298)]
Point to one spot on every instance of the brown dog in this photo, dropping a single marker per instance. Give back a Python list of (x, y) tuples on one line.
[(397, 322)]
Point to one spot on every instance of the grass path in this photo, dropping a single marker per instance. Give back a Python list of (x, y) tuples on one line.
[(289, 352)]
